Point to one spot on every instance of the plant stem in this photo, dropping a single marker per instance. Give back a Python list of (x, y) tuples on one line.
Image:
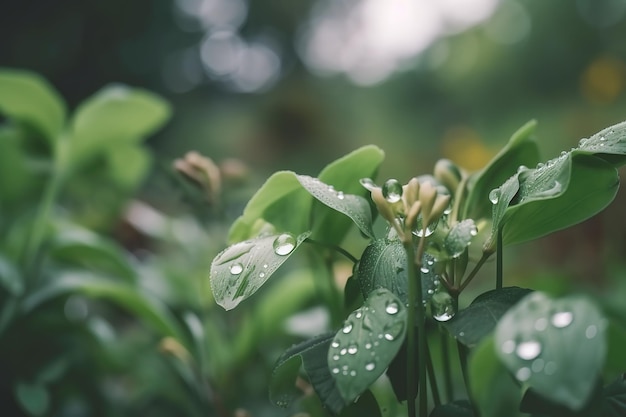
[(499, 260), (447, 371), (477, 267), (434, 389), (463, 360), (333, 247)]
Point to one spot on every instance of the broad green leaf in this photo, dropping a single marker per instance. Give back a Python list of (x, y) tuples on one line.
[(615, 398), (470, 325), (312, 355), (78, 246), (608, 144), (365, 405), (29, 98), (500, 198), (241, 269), (383, 264), (10, 277), (116, 115), (344, 175), (17, 178), (144, 307), (281, 201), (536, 404), (493, 390), (459, 408), (355, 207), (128, 165), (616, 341), (34, 398), (397, 372), (460, 237), (367, 343), (521, 150), (555, 346)]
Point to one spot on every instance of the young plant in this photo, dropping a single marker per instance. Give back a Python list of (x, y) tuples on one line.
[(547, 354)]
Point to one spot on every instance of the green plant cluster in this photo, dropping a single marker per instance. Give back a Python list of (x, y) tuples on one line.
[(520, 351)]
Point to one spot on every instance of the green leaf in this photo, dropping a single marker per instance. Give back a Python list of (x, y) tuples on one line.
[(17, 178), (241, 269), (355, 207), (383, 264), (128, 165), (398, 369), (33, 398), (365, 405), (115, 116), (10, 277), (492, 388), (470, 325), (556, 347), (29, 98), (459, 408), (460, 237), (367, 343), (608, 144), (144, 307), (615, 398), (521, 150), (312, 354), (344, 175), (281, 201)]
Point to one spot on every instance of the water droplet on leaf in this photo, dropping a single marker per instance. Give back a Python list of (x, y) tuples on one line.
[(370, 366), (442, 306), (562, 319), (528, 350), (392, 191), (367, 183), (591, 331), (335, 370), (284, 244), (347, 328), (392, 308), (340, 195), (352, 350), (392, 331), (508, 346), (523, 374), (494, 196), (236, 269)]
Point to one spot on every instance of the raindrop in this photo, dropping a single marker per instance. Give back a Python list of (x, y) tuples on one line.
[(284, 244), (424, 270), (442, 306), (591, 331), (368, 346), (367, 183), (473, 231), (370, 366), (392, 331), (494, 196), (347, 328), (334, 344), (353, 373), (352, 350), (392, 308), (522, 168), (265, 265), (562, 319), (523, 374), (340, 195), (430, 229), (358, 314), (528, 350), (335, 370), (343, 351), (262, 275), (583, 142), (236, 269), (336, 357), (602, 138), (392, 191), (331, 189)]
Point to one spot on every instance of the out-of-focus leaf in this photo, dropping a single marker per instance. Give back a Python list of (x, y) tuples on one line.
[(367, 343), (10, 277), (554, 346), (241, 269), (470, 325), (16, 178), (312, 355), (459, 408), (365, 405), (521, 150), (33, 398), (115, 116), (27, 97), (128, 165)]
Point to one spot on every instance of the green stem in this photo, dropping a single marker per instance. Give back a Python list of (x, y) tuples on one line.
[(447, 370), (333, 247), (434, 389), (499, 260), (463, 360), (477, 267)]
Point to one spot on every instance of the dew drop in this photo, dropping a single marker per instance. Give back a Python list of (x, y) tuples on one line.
[(442, 306), (522, 168), (562, 319), (358, 314), (523, 374), (474, 231), (262, 275), (494, 196), (236, 269), (528, 350), (392, 308), (424, 270), (334, 344), (336, 357), (583, 142), (602, 138), (353, 373), (370, 366), (352, 350), (392, 191), (265, 265), (340, 195), (331, 189), (419, 229), (367, 183), (284, 244), (591, 331), (368, 346), (343, 351), (392, 331), (347, 328), (335, 371)]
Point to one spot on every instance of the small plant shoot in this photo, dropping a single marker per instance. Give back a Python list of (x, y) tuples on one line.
[(547, 354)]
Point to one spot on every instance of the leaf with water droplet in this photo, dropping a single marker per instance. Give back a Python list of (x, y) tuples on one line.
[(460, 237), (563, 356), (383, 264), (358, 367), (470, 325), (312, 355), (392, 191), (355, 207), (241, 269)]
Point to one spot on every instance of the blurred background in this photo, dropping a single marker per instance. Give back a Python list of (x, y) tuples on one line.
[(294, 84)]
